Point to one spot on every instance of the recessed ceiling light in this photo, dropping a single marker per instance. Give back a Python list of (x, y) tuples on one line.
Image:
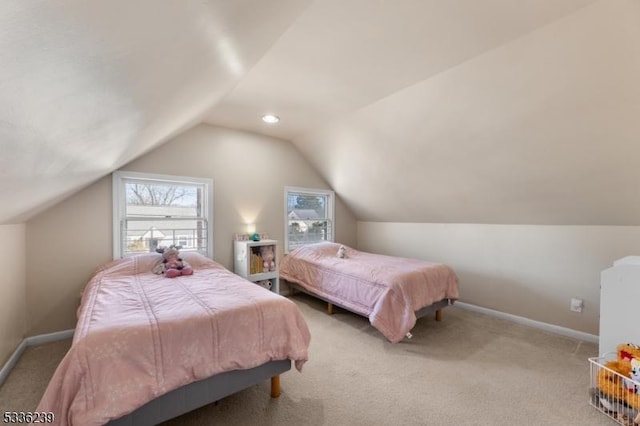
[(271, 119)]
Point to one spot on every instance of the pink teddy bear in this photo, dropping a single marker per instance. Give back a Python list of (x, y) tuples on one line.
[(172, 264), (268, 258)]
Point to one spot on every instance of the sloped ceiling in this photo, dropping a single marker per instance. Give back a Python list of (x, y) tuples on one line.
[(86, 86), (417, 111), (470, 112)]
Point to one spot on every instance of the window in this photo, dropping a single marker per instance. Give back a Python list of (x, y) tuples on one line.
[(152, 210), (309, 216)]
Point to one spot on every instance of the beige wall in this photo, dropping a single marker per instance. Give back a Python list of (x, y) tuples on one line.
[(67, 242), (528, 271), (13, 302)]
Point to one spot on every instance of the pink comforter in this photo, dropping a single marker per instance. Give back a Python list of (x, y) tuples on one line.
[(141, 335), (388, 290)]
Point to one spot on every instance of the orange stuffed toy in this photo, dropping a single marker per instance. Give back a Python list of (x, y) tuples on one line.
[(620, 380)]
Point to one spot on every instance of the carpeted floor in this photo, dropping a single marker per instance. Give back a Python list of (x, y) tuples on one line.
[(469, 369)]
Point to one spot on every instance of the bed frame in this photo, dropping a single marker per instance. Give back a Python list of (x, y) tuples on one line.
[(435, 308), (203, 392)]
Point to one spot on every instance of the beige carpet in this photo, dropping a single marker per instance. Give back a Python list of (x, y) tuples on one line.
[(469, 369)]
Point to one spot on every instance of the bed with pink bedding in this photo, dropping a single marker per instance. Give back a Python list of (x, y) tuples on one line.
[(142, 336), (391, 291)]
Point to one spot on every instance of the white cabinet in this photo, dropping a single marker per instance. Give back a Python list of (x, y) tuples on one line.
[(620, 304), (249, 262)]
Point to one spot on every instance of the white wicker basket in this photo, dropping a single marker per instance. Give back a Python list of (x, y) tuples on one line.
[(613, 402)]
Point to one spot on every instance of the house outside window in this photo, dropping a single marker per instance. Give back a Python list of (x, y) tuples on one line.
[(309, 216), (185, 241), (151, 210)]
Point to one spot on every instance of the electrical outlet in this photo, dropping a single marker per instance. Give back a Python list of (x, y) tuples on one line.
[(576, 305)]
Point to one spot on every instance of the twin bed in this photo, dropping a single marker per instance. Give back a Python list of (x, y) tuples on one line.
[(148, 348), (391, 291)]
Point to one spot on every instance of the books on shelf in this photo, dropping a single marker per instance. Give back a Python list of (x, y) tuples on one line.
[(257, 264)]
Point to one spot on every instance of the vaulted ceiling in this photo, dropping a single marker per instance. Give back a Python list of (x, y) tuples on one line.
[(87, 86), (417, 111)]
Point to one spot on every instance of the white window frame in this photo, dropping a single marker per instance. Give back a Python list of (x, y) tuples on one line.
[(291, 190), (119, 202)]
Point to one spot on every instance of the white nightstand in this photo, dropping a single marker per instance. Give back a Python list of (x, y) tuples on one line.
[(248, 262)]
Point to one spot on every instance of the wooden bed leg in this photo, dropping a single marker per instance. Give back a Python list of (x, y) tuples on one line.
[(439, 315), (275, 386), (330, 308)]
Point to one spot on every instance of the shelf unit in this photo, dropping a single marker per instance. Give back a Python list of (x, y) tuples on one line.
[(619, 295), (247, 262)]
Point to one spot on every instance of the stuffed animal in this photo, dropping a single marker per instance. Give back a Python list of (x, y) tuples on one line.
[(268, 258), (171, 264), (342, 252), (264, 284)]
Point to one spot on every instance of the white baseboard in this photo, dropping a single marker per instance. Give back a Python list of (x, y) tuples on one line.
[(13, 359), (31, 341), (563, 331), (50, 337)]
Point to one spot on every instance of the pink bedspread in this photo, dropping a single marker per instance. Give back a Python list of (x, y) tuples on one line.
[(386, 289), (141, 335)]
